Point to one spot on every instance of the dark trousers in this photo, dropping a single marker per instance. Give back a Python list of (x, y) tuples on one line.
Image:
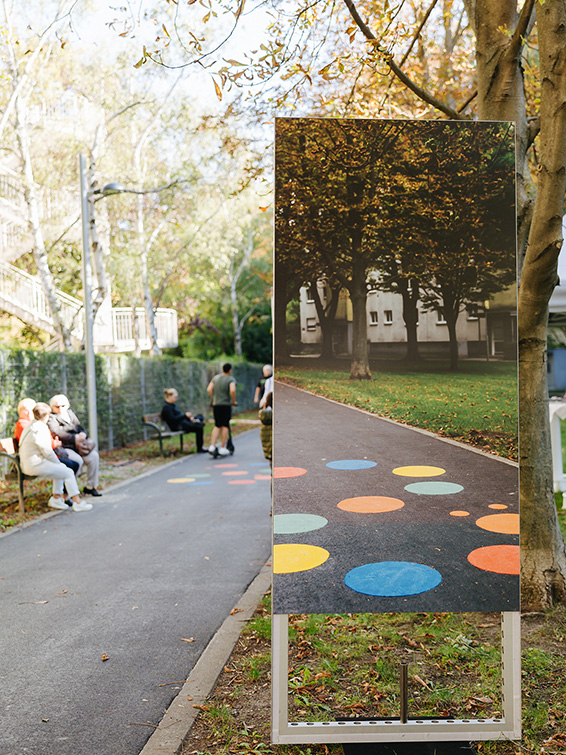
[(193, 427)]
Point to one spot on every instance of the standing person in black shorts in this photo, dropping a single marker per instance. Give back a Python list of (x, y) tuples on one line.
[(222, 391)]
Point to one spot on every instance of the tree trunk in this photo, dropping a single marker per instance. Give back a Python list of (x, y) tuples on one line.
[(411, 319), (359, 368), (32, 203), (501, 97), (326, 315), (281, 281), (543, 560)]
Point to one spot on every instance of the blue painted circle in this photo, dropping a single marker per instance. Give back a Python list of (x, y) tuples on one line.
[(351, 464), (391, 579), (432, 487), (200, 482), (290, 524)]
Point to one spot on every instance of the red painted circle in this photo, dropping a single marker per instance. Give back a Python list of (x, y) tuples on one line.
[(281, 473), (500, 559)]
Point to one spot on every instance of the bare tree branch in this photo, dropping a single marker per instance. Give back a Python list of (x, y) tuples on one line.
[(409, 83)]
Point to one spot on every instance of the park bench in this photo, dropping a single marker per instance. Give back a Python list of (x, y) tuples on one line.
[(14, 471), (161, 430)]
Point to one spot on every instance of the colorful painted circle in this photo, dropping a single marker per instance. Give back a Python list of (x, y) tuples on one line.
[(459, 513), (291, 524), (419, 471), (200, 482), (434, 488), (497, 506), (235, 473), (294, 557), (370, 504), (351, 464), (225, 466), (282, 473), (389, 579), (242, 482), (262, 477), (507, 524), (500, 559), (177, 480)]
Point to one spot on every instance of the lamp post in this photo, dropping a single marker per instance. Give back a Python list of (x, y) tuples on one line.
[(112, 188)]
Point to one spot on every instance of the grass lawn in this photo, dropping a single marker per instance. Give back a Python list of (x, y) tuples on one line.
[(476, 405), (348, 666)]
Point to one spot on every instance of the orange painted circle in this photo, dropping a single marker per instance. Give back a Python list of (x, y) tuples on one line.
[(281, 473), (497, 506), (370, 504), (262, 477), (507, 524), (234, 473), (459, 513), (500, 559)]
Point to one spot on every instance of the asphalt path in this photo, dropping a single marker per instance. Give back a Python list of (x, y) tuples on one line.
[(453, 504), (143, 581)]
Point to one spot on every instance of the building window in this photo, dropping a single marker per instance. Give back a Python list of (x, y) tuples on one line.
[(388, 316), (440, 318), (373, 317), (473, 313), (311, 323)]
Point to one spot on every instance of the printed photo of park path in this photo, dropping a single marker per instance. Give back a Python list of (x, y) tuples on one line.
[(395, 408)]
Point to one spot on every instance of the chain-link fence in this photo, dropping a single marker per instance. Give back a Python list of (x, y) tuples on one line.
[(126, 388)]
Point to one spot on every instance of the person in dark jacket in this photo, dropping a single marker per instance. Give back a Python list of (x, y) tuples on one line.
[(175, 419)]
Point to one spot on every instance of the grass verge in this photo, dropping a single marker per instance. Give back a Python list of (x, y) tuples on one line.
[(115, 466), (347, 666), (476, 405)]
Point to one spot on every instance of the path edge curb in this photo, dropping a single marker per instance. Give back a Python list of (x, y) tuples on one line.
[(174, 728)]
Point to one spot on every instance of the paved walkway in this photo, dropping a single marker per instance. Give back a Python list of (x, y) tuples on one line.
[(373, 516), (145, 578)]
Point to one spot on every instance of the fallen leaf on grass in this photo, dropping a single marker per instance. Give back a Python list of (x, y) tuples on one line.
[(418, 679), (206, 708), (236, 610)]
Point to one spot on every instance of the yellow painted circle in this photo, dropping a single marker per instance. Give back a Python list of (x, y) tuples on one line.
[(293, 557), (175, 480), (417, 471)]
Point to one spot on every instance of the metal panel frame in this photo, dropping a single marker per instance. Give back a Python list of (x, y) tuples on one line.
[(393, 730)]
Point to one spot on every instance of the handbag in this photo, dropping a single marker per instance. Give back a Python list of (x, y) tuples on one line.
[(85, 446)]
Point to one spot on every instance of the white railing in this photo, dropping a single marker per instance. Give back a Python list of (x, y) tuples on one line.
[(22, 294), (25, 293), (123, 324)]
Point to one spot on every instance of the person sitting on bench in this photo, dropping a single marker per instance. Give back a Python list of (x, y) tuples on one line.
[(175, 419)]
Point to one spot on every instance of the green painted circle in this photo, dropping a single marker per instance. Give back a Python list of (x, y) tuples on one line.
[(290, 524)]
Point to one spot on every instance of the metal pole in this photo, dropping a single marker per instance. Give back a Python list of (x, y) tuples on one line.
[(87, 303), (403, 694)]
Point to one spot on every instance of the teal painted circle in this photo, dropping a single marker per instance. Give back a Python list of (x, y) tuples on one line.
[(351, 464), (434, 488), (199, 475), (392, 579), (290, 524)]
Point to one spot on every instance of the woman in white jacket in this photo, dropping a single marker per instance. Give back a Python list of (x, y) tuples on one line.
[(38, 458)]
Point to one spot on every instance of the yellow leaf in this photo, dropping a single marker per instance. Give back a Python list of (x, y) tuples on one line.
[(218, 90), (105, 657)]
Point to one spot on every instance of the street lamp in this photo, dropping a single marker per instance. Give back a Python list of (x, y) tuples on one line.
[(111, 188)]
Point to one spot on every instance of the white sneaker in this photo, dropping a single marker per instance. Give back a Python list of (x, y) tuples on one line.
[(211, 449), (223, 452), (58, 503), (82, 506)]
